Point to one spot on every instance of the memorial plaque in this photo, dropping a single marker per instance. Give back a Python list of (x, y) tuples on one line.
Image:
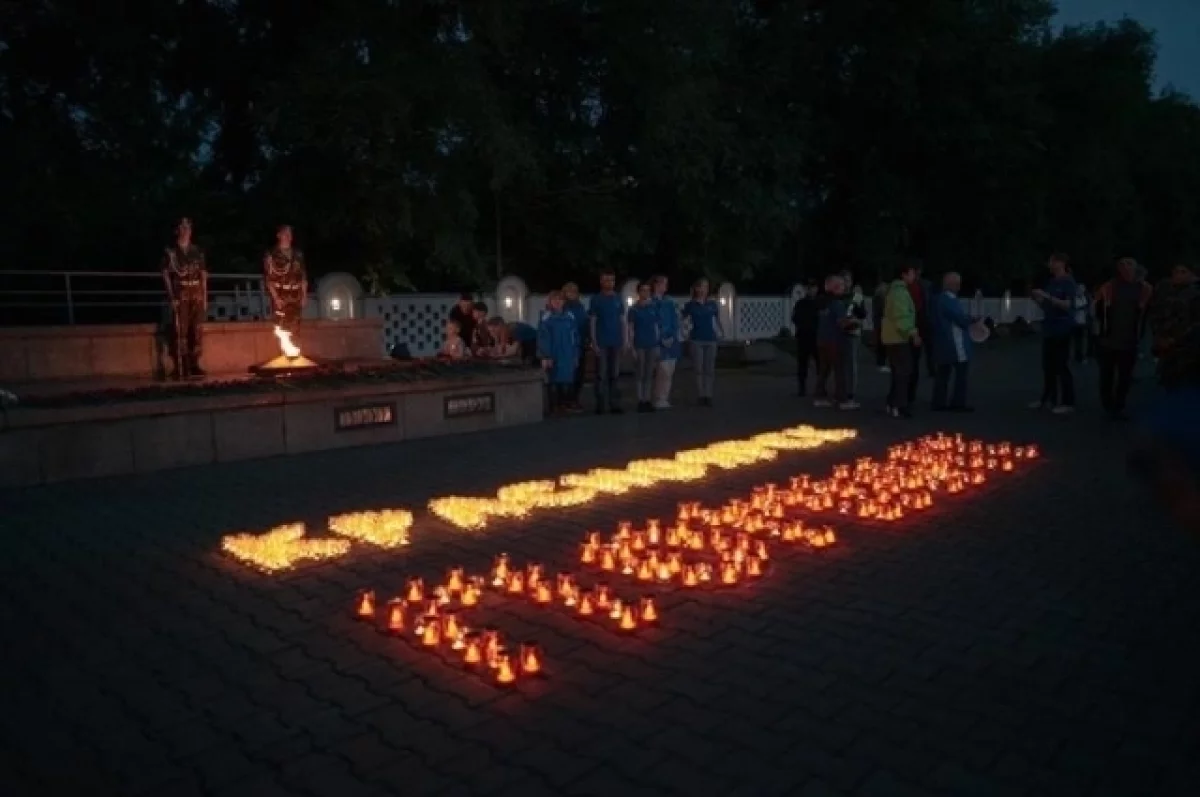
[(346, 419), (466, 405)]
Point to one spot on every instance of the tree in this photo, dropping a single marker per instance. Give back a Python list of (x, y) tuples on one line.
[(439, 144)]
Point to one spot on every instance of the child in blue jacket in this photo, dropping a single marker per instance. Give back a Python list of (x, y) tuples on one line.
[(558, 348)]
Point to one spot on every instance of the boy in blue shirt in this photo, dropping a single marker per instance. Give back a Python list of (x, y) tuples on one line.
[(668, 355), (606, 312), (644, 331), (574, 307), (1058, 324), (558, 344)]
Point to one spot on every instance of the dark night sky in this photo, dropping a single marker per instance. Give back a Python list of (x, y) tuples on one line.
[(1176, 23)]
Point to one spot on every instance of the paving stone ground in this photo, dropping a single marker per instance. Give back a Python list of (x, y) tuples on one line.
[(1036, 638)]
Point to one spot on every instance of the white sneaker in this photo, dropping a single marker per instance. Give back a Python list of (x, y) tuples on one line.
[(662, 405), (849, 405), (883, 369), (1037, 405), (1063, 409), (822, 403)]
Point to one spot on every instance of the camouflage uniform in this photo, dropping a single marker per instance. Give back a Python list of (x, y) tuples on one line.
[(286, 281), (186, 277)]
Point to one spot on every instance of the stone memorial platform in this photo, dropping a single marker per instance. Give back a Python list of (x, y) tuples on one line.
[(35, 354), (55, 437)]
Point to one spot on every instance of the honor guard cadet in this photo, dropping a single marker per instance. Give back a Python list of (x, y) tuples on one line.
[(185, 276), (285, 280)]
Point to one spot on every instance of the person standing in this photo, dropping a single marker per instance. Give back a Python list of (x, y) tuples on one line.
[(646, 336), (804, 320), (1121, 305), (705, 316), (286, 280), (668, 325), (1175, 322), (877, 303), (607, 333), (856, 313), (951, 344), (1081, 336), (1168, 456), (574, 307), (185, 276), (558, 344), (921, 291), (899, 333), (463, 314), (833, 339), (1058, 321)]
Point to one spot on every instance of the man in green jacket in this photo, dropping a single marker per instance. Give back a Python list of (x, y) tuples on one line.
[(899, 335)]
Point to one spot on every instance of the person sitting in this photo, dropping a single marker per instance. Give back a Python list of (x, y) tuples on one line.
[(502, 346), (525, 337), (951, 344), (454, 348)]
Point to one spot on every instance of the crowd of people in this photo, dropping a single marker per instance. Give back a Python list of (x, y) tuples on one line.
[(651, 328), (919, 329), (916, 330)]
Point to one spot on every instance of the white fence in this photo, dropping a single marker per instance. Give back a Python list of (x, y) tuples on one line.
[(417, 320)]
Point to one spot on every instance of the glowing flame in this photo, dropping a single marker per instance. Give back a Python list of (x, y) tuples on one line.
[(289, 349)]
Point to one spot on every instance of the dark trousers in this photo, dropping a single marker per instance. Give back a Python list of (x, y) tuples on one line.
[(903, 362), (923, 353), (1081, 344), (558, 395), (1116, 376), (831, 361), (914, 372), (806, 354), (941, 385), (187, 337), (880, 349), (1058, 386), (577, 385), (608, 370)]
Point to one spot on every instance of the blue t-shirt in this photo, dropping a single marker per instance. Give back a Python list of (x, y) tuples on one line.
[(606, 309), (644, 318), (829, 329), (1057, 321), (704, 319), (580, 314)]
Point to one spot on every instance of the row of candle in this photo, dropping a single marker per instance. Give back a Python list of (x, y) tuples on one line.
[(573, 489), (907, 480), (282, 547), (735, 540), (485, 651), (733, 552), (433, 618)]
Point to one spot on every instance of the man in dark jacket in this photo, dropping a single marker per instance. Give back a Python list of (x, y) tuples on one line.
[(1121, 305), (804, 320)]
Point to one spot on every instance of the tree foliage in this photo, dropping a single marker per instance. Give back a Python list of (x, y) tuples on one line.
[(441, 143)]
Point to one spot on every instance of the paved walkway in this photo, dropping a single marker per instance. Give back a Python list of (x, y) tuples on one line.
[(1038, 638)]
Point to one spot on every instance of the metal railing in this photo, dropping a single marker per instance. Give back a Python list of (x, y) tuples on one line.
[(36, 298)]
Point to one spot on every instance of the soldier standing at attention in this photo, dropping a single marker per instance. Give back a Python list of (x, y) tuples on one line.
[(185, 276), (286, 280)]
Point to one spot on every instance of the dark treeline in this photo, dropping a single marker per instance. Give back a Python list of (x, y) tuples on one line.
[(433, 144)]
